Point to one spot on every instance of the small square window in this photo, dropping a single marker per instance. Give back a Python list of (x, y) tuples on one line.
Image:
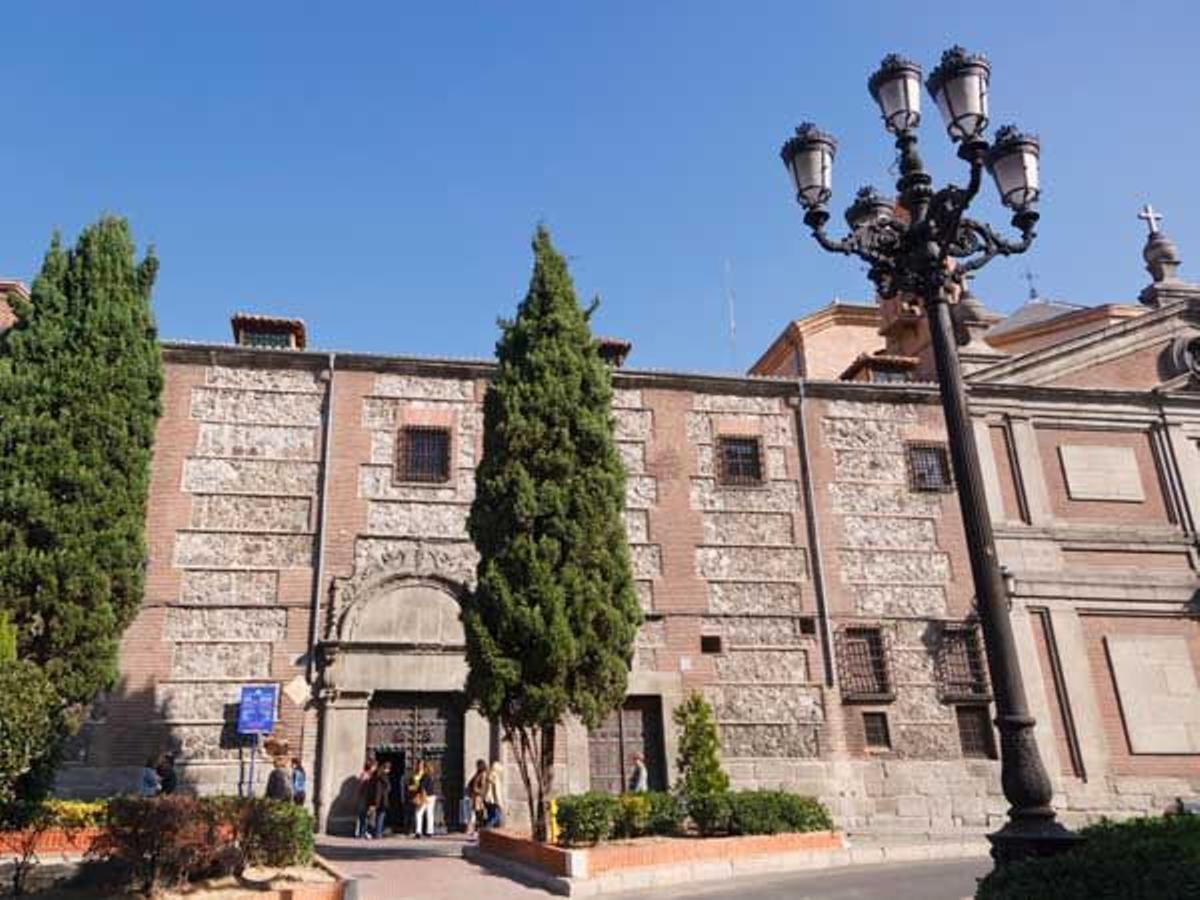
[(960, 664), (929, 468), (975, 732), (889, 376), (739, 460), (864, 665), (808, 625), (875, 731), (710, 643), (423, 454)]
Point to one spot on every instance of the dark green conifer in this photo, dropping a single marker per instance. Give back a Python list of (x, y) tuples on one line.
[(80, 385), (551, 625), (699, 762)]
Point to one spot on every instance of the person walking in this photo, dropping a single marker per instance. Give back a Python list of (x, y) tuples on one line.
[(299, 782), (150, 785), (639, 779), (476, 794), (361, 825), (279, 783), (380, 791), (168, 778), (493, 800), (426, 802)]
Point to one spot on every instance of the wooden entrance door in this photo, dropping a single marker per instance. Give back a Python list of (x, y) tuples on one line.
[(635, 728), (425, 727)]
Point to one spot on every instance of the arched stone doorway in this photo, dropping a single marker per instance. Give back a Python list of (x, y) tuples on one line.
[(393, 670)]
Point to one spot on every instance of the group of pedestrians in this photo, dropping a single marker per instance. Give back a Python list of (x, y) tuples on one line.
[(288, 781), (159, 776), (376, 805)]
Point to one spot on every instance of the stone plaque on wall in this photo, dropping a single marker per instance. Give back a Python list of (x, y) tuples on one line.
[(1156, 684), (1101, 473)]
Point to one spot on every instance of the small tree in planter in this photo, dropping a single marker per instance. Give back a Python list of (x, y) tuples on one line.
[(551, 624), (702, 782)]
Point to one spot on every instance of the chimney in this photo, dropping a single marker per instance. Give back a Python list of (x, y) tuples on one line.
[(268, 332)]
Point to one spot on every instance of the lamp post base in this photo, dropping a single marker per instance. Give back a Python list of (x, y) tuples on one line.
[(1029, 837)]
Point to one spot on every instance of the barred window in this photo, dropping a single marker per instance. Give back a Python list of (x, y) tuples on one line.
[(267, 339), (864, 665), (929, 467), (423, 454), (961, 672), (739, 460), (876, 734), (889, 376), (975, 732)]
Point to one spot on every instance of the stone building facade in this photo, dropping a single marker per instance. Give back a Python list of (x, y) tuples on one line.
[(797, 545)]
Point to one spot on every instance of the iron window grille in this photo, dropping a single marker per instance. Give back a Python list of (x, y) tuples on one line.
[(274, 339), (876, 734), (423, 454), (739, 461), (890, 376), (962, 674), (865, 673), (975, 731), (929, 467)]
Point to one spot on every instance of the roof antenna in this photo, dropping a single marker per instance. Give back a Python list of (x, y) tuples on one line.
[(729, 299), (1029, 277)]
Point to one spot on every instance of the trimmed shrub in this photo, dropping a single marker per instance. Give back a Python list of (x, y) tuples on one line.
[(1141, 859), (74, 815), (159, 841), (276, 833), (666, 813), (775, 812), (633, 816), (710, 813), (586, 818)]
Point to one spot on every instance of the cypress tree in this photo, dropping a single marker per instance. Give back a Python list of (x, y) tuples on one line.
[(80, 385), (699, 760), (551, 624)]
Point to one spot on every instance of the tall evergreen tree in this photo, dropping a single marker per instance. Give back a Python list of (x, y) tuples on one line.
[(551, 624), (80, 386)]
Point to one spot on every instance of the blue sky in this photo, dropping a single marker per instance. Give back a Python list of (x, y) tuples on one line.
[(378, 169)]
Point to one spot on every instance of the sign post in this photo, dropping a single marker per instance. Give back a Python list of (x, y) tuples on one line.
[(256, 716)]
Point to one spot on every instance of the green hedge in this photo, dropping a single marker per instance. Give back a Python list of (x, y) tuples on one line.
[(593, 817), (1141, 859)]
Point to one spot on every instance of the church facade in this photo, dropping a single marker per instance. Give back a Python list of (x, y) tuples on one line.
[(797, 545)]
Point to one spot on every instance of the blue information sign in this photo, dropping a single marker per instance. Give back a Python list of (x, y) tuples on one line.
[(256, 711)]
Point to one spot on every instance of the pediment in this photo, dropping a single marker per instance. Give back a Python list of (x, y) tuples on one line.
[(1157, 351)]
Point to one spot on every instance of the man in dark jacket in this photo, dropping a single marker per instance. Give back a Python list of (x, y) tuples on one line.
[(279, 784), (379, 790)]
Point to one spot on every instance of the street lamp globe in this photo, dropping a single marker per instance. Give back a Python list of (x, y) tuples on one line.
[(896, 87), (1013, 162), (808, 156), (959, 86)]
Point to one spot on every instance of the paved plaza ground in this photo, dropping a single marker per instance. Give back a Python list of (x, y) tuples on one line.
[(433, 869)]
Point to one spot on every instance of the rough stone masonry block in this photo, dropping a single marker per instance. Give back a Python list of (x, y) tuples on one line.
[(926, 741), (268, 441), (763, 667), (645, 595), (783, 631), (870, 465), (203, 475), (241, 625), (212, 550), (851, 409), (262, 379), (886, 499), (899, 600), (633, 457), (627, 398), (455, 560), (890, 566), (197, 701), (417, 388), (641, 492), (647, 560), (769, 741), (255, 407), (750, 563), (378, 483), (733, 403), (774, 704), (224, 588), (205, 742), (637, 526), (755, 598), (418, 519), (889, 532), (699, 428), (221, 660), (653, 633), (634, 424), (748, 528), (775, 496), (862, 434), (246, 513)]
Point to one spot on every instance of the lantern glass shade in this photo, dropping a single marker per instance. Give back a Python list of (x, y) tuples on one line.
[(809, 160), (1013, 163), (896, 87), (959, 86)]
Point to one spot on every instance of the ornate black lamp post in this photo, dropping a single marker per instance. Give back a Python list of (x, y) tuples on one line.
[(922, 245)]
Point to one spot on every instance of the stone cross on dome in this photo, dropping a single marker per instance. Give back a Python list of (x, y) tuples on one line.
[(1150, 217)]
